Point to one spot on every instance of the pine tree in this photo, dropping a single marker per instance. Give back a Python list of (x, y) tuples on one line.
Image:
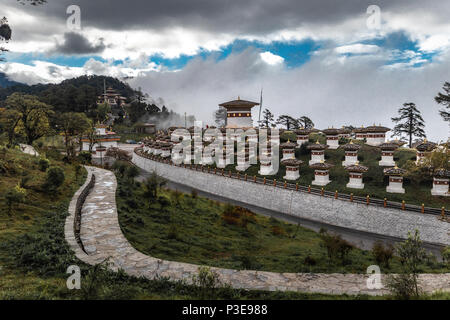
[(287, 121), (409, 122), (267, 120), (5, 33), (444, 99), (305, 122)]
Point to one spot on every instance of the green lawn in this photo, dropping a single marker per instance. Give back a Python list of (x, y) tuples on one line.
[(182, 228)]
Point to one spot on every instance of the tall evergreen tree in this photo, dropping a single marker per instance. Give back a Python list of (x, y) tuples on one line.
[(444, 99), (305, 122), (5, 33), (287, 121), (409, 122), (267, 120)]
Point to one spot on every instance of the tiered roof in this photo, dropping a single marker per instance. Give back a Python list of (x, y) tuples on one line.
[(351, 146), (291, 162), (426, 146), (388, 146), (442, 173), (356, 168), (317, 146), (331, 131), (321, 165), (394, 171)]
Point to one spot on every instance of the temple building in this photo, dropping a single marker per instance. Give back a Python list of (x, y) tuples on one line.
[(375, 135), (344, 133), (356, 175), (399, 143), (351, 153), (423, 149), (395, 179), (149, 128), (317, 152), (242, 160), (360, 133), (332, 137), (288, 149), (239, 113), (292, 169), (387, 154), (103, 139), (265, 161), (441, 178), (166, 149), (321, 173), (112, 98), (302, 136)]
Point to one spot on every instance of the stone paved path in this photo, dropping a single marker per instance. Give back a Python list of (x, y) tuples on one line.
[(103, 238)]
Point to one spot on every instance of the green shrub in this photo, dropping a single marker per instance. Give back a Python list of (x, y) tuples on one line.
[(15, 195), (382, 254), (53, 153), (236, 215), (446, 255), (43, 164), (336, 246), (412, 255), (309, 261), (55, 178), (84, 157), (131, 172)]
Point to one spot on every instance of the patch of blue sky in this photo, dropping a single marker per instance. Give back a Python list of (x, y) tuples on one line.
[(64, 60), (403, 48), (294, 53)]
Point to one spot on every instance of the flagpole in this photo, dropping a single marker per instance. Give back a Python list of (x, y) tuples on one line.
[(260, 106)]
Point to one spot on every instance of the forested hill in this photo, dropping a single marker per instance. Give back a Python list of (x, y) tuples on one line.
[(77, 94), (5, 82)]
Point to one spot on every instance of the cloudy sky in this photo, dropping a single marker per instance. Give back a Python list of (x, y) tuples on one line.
[(329, 60)]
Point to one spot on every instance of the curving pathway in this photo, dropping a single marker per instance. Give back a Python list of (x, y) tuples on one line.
[(102, 238)]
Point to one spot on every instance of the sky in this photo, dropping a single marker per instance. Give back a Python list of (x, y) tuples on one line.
[(340, 63)]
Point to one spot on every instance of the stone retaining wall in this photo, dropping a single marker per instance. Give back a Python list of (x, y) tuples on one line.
[(72, 225), (357, 216), (79, 204)]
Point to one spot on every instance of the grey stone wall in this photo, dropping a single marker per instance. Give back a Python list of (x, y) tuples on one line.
[(378, 220)]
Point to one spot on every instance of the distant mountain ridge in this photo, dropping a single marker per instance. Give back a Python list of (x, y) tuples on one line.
[(5, 82), (71, 95)]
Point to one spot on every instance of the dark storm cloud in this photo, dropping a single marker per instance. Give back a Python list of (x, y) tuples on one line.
[(75, 43), (241, 17)]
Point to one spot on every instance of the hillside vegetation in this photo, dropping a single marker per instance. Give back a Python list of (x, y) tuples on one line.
[(181, 227)]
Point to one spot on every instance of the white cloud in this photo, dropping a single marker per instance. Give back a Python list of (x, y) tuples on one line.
[(357, 48), (435, 42), (47, 72), (270, 58), (331, 93)]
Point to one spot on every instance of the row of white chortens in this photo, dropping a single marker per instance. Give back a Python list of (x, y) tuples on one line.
[(162, 146)]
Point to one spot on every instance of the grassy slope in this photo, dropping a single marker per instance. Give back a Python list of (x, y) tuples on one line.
[(26, 219), (192, 230), (34, 255)]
